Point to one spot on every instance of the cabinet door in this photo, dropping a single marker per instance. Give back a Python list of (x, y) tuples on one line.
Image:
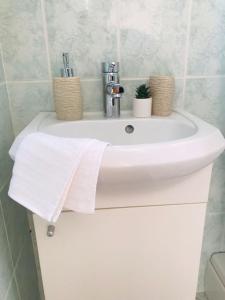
[(147, 253)]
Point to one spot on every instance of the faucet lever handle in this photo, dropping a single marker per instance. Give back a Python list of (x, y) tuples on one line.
[(110, 67)]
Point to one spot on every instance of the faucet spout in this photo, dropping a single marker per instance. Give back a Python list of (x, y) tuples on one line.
[(112, 90)]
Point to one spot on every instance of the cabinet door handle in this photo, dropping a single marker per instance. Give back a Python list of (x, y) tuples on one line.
[(51, 230)]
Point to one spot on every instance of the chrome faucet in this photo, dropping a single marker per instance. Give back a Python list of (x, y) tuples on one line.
[(112, 89)]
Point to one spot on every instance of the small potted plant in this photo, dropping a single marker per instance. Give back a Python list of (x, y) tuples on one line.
[(142, 104)]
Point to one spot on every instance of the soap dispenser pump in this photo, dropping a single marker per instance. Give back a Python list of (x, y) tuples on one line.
[(67, 71), (67, 93)]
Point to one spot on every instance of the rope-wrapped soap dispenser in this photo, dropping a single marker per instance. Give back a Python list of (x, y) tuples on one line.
[(163, 90), (67, 93)]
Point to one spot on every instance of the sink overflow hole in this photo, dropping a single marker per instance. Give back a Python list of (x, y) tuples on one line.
[(129, 129)]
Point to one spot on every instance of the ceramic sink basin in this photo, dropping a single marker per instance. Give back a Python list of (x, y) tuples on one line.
[(140, 149)]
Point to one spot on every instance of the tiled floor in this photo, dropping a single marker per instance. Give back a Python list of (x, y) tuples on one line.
[(201, 296)]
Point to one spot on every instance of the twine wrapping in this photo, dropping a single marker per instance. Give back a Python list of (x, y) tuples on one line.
[(68, 100), (163, 90)]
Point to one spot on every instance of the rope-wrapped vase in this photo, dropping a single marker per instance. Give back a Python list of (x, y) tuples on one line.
[(68, 100), (162, 90)]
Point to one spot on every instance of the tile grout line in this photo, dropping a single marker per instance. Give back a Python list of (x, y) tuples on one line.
[(204, 76), (7, 90), (10, 251), (5, 183), (8, 289), (45, 33), (223, 236), (2, 62), (15, 268), (14, 275), (134, 79), (28, 81), (122, 78), (118, 30), (14, 271), (187, 44), (7, 241)]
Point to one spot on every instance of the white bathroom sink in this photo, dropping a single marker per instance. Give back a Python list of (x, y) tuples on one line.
[(158, 148), (151, 201)]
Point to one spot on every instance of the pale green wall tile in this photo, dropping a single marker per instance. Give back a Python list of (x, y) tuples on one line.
[(86, 29), (13, 221), (27, 100), (13, 292), (6, 138), (179, 97), (92, 94), (217, 188), (153, 35), (6, 135), (2, 75), (26, 273), (207, 42), (212, 242), (5, 260), (16, 223), (205, 98), (23, 40)]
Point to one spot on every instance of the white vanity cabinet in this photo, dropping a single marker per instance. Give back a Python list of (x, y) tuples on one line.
[(147, 251)]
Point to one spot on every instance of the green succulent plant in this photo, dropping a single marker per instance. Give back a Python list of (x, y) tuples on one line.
[(143, 92)]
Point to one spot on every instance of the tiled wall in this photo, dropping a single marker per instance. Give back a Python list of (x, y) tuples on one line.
[(185, 38), (18, 279)]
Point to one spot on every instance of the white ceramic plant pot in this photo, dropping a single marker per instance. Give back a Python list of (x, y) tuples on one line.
[(142, 108)]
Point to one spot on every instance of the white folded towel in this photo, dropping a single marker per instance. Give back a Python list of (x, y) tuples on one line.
[(53, 172)]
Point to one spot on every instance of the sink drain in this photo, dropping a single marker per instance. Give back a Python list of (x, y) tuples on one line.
[(129, 129)]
